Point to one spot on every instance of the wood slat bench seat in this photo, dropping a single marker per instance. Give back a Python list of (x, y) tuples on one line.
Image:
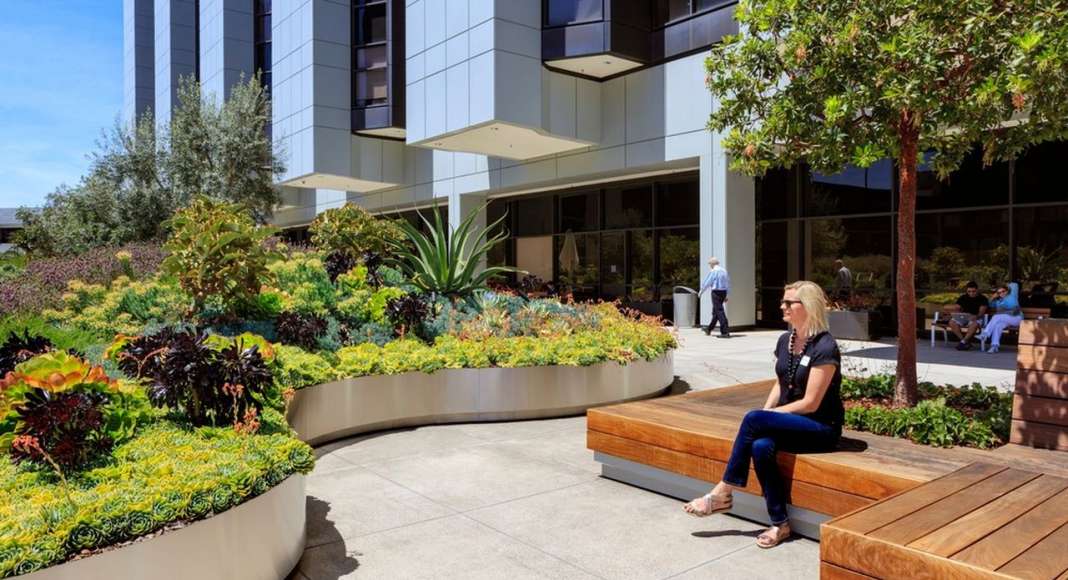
[(691, 435), (981, 521)]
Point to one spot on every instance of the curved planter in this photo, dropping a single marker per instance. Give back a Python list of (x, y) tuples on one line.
[(261, 538), (351, 406)]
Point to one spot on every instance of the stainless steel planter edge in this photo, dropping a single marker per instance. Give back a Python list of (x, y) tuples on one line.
[(261, 538), (348, 407)]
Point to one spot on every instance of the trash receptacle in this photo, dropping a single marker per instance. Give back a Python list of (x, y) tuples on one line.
[(685, 300)]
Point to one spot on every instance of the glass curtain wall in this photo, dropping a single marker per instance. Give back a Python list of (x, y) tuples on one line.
[(989, 224), (629, 241)]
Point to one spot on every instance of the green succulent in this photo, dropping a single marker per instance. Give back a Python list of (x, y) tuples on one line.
[(448, 264)]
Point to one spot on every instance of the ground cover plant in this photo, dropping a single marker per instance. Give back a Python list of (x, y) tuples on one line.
[(148, 391), (971, 415)]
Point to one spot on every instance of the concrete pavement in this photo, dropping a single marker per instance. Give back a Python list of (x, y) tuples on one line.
[(525, 500)]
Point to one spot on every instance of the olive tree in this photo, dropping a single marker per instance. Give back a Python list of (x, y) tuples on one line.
[(837, 82)]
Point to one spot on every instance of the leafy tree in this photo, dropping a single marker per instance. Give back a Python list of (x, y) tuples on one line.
[(224, 151), (140, 175), (833, 82)]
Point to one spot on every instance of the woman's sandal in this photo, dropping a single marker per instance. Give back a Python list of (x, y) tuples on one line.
[(773, 536), (708, 504)]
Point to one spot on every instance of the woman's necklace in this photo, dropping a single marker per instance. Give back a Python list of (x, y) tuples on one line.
[(796, 357)]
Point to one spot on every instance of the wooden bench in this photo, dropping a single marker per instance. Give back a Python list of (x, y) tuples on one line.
[(678, 445), (981, 521)]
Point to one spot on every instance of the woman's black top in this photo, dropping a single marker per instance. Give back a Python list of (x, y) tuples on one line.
[(793, 372)]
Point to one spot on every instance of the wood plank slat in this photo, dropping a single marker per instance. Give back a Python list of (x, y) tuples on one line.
[(1035, 434), (817, 498), (1017, 536), (982, 522), (1046, 332), (875, 557), (1040, 410), (901, 505), (952, 507), (829, 571), (1042, 358), (1042, 384), (1046, 559), (874, 475)]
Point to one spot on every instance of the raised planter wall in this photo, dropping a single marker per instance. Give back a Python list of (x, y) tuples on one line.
[(261, 538), (348, 407), (849, 325)]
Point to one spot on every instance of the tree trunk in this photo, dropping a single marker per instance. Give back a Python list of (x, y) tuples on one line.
[(905, 391)]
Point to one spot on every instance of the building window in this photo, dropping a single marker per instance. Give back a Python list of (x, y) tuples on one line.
[(262, 40), (370, 75), (565, 12), (668, 11)]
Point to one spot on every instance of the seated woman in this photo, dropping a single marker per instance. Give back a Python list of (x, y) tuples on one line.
[(803, 413), (1007, 314)]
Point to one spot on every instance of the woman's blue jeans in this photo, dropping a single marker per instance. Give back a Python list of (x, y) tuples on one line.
[(760, 435)]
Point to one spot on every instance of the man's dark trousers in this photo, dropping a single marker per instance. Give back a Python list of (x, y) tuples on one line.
[(718, 313)]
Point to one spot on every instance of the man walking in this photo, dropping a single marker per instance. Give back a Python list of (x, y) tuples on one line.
[(719, 283), (843, 282)]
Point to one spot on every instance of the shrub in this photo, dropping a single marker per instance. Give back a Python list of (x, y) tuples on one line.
[(61, 337), (210, 379), (295, 368), (124, 307), (216, 250), (972, 415), (407, 313), (167, 474), (44, 280), (17, 349), (71, 411), (303, 330), (304, 285), (447, 262), (349, 232)]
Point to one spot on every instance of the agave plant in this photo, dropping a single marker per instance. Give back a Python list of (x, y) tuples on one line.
[(447, 264)]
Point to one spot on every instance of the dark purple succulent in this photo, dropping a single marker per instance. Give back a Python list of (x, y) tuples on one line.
[(407, 313), (18, 349), (303, 330), (68, 426)]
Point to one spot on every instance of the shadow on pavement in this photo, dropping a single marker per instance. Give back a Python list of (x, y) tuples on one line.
[(332, 559)]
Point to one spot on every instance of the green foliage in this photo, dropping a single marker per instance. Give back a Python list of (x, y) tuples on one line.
[(141, 175), (617, 339), (124, 307), (931, 422), (445, 263), (972, 415), (303, 284), (218, 252), (295, 368), (167, 474), (71, 409), (61, 337), (850, 76), (353, 231)]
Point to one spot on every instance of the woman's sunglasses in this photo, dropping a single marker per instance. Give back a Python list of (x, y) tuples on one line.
[(789, 303)]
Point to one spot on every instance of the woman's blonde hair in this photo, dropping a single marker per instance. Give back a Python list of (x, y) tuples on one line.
[(815, 303)]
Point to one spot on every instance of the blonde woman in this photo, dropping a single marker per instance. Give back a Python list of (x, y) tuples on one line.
[(803, 412)]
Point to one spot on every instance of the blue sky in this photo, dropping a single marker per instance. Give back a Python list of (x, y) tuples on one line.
[(60, 85)]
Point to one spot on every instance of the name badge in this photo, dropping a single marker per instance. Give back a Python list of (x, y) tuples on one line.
[(805, 360)]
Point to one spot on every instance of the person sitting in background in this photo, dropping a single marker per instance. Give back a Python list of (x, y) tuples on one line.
[(966, 323), (1006, 306)]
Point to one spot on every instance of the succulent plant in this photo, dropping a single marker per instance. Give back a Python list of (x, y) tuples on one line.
[(303, 330), (408, 313), (17, 349)]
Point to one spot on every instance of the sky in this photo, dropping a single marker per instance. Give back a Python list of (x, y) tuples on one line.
[(60, 85)]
